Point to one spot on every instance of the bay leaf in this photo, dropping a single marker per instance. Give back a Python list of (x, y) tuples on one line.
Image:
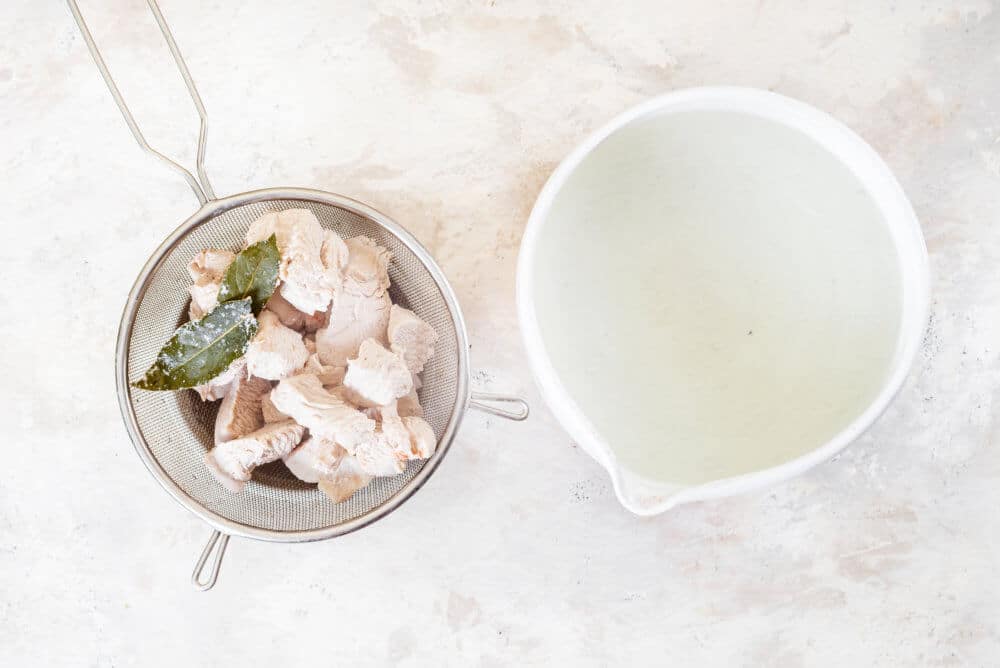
[(253, 273), (202, 349)]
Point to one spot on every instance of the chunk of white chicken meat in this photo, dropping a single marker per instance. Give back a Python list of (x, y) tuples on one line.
[(345, 481), (423, 442), (409, 405), (328, 375), (303, 398), (307, 283), (270, 411), (410, 337), (385, 452), (352, 398), (413, 437), (292, 317), (315, 459), (240, 412), (378, 375), (335, 256), (353, 319), (206, 270), (367, 271), (218, 387), (232, 463), (275, 351)]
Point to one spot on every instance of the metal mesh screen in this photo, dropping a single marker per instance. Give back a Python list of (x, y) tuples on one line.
[(177, 427)]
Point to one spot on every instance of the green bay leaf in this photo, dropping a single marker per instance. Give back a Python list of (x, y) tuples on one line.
[(254, 274), (202, 349)]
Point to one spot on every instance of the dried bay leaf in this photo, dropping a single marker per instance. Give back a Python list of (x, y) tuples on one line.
[(202, 349), (254, 274)]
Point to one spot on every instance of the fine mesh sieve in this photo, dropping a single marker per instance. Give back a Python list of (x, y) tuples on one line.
[(172, 431)]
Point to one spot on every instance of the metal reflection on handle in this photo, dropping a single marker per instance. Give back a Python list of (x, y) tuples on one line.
[(483, 401), (213, 575), (202, 189)]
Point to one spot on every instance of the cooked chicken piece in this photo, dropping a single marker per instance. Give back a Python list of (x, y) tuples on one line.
[(218, 387), (423, 442), (211, 263), (378, 375), (411, 338), (240, 411), (383, 453), (346, 480), (269, 411), (377, 457), (292, 317), (275, 351), (335, 256), (315, 459), (409, 406), (353, 319), (352, 398), (323, 414), (307, 284), (410, 437), (204, 298), (233, 462), (367, 270), (310, 342), (206, 270), (328, 375)]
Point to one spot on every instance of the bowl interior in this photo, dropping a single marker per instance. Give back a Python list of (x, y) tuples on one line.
[(714, 293)]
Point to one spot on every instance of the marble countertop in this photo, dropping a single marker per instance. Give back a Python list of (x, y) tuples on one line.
[(449, 116)]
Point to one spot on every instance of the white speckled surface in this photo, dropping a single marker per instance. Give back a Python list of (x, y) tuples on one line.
[(449, 116)]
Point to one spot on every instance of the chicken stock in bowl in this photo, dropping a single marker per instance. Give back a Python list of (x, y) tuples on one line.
[(718, 290)]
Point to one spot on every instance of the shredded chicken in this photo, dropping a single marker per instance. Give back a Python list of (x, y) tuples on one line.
[(276, 351), (307, 283), (233, 462), (240, 412), (378, 375), (206, 270), (303, 398), (411, 338)]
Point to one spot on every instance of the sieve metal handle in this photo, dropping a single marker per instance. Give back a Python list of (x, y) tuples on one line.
[(482, 401), (201, 186), (205, 585)]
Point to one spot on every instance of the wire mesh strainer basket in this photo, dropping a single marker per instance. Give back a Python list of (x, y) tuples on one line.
[(172, 431)]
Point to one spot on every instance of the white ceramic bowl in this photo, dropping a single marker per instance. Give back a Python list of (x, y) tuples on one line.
[(648, 175)]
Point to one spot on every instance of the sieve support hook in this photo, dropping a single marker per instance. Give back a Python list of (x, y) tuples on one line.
[(220, 551), (484, 401), (200, 185)]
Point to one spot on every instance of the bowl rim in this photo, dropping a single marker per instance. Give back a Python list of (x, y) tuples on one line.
[(218, 522), (873, 174)]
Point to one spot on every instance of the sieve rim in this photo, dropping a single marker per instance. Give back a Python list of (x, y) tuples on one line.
[(207, 212)]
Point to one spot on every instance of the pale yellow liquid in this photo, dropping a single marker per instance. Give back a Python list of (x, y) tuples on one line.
[(717, 293)]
